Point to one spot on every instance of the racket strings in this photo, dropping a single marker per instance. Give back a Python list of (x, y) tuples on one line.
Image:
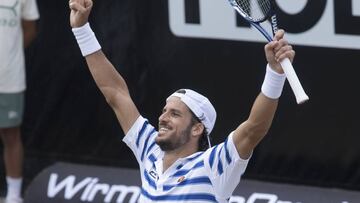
[(257, 10)]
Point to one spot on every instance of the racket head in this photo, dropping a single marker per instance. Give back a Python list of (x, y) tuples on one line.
[(256, 11)]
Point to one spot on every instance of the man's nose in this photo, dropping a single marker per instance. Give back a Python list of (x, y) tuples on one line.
[(163, 117)]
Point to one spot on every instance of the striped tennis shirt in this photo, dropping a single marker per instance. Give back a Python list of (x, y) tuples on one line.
[(205, 176)]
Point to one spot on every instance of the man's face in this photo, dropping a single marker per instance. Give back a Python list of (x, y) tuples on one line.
[(174, 125)]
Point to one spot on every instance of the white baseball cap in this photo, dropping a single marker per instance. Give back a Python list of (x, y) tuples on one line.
[(199, 105)]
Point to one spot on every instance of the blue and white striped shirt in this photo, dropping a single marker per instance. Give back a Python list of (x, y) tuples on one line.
[(209, 176)]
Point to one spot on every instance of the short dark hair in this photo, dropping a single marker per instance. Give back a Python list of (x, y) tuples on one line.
[(203, 143)]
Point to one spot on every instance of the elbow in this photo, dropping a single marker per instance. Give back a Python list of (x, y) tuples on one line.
[(114, 97), (111, 99), (247, 136), (29, 35), (110, 94), (256, 132), (29, 38), (110, 102)]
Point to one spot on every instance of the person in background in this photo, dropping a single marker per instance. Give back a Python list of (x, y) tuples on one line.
[(17, 31)]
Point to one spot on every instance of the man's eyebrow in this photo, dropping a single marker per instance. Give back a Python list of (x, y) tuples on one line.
[(173, 110)]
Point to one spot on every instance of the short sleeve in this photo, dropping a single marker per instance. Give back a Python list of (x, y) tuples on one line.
[(29, 10), (225, 167), (141, 138)]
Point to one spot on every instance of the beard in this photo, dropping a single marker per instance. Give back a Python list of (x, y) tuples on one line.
[(174, 142)]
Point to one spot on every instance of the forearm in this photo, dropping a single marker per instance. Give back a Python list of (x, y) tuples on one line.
[(114, 88), (109, 81), (261, 116), (28, 38), (253, 130), (264, 107)]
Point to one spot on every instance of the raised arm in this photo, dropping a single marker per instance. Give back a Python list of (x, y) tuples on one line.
[(253, 130), (110, 82)]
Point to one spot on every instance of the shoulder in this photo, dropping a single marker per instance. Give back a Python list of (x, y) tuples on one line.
[(29, 10)]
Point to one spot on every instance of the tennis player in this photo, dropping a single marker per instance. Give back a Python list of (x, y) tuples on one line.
[(176, 162)]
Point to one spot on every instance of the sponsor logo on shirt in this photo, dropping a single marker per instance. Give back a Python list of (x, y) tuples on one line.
[(12, 8), (181, 179), (10, 21), (153, 174)]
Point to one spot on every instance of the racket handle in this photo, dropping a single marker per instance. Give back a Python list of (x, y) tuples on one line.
[(294, 82)]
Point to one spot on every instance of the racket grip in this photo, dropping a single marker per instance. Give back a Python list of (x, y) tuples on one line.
[(294, 82)]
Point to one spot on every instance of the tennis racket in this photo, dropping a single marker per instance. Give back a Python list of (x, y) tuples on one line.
[(256, 12)]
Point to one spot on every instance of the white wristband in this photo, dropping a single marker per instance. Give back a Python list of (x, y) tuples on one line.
[(86, 39), (273, 83)]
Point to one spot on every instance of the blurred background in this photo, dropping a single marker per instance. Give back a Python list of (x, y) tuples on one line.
[(162, 46)]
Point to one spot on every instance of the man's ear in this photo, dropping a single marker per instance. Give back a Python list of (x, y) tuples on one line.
[(197, 129)]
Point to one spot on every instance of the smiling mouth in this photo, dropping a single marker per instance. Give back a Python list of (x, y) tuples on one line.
[(164, 129)]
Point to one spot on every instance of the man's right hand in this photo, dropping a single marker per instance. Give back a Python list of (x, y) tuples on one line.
[(80, 11), (277, 50)]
